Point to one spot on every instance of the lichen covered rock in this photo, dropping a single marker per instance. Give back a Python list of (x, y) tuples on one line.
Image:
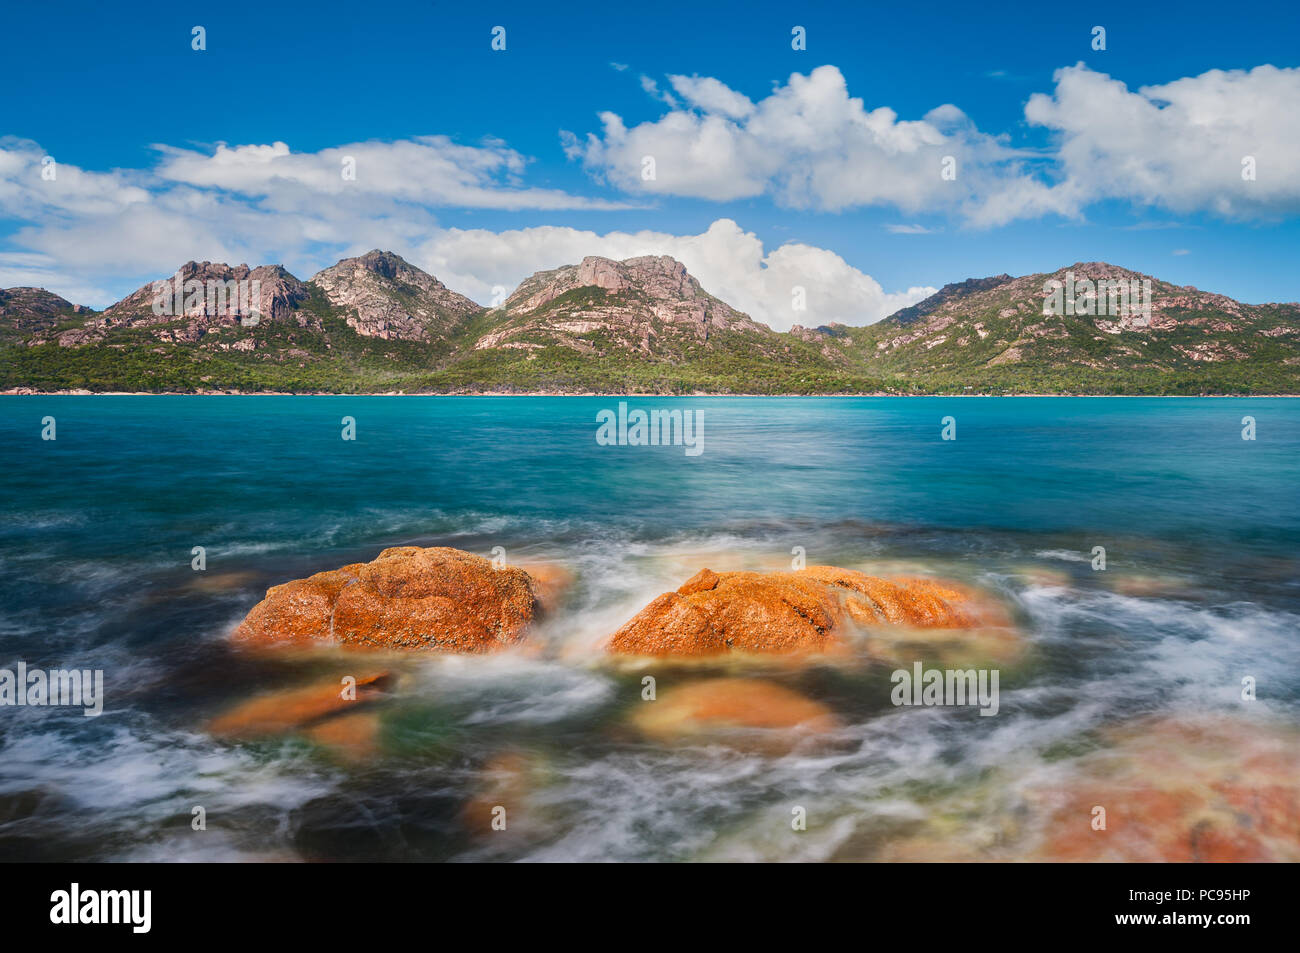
[(788, 612), (438, 599)]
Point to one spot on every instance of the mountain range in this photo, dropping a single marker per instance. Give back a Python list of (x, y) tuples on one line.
[(377, 324)]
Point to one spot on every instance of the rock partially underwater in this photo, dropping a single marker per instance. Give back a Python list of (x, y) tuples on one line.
[(812, 610), (437, 599)]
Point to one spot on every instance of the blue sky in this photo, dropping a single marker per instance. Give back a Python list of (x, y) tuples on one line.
[(482, 166)]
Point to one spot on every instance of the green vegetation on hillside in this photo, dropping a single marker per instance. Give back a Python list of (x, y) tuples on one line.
[(986, 337)]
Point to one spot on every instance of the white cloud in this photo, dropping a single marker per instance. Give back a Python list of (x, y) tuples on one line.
[(93, 237), (26, 270), (811, 145), (27, 189), (253, 204), (730, 264), (652, 87), (710, 95), (808, 144), (429, 170), (1181, 145)]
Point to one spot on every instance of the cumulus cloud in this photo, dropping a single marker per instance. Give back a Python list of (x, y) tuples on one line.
[(810, 145), (729, 262), (92, 237), (87, 231), (711, 95), (807, 145), (1182, 145), (430, 170), (32, 183), (29, 270)]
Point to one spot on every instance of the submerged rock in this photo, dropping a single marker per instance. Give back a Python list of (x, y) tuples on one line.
[(354, 736), (786, 612), (297, 708), (407, 598), (1194, 788), (505, 798), (1199, 789), (716, 706)]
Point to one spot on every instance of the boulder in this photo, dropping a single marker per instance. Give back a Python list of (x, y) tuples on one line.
[(437, 599), (786, 612)]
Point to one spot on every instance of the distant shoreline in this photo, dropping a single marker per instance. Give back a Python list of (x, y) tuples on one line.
[(24, 392)]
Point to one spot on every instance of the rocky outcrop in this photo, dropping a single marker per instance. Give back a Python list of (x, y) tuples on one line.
[(198, 298), (1120, 319), (957, 291), (790, 612), (437, 599), (649, 305), (386, 297), (660, 279), (226, 294), (181, 311), (25, 311), (643, 324)]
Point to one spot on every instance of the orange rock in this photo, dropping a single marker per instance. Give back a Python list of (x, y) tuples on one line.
[(298, 611), (713, 613), (703, 581), (508, 781), (718, 704), (354, 735), (221, 581), (284, 711), (411, 598), (1216, 791), (549, 581)]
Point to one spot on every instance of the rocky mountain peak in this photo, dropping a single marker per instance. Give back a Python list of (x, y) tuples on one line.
[(617, 326), (659, 279), (224, 294), (25, 311), (949, 292), (27, 300), (387, 297), (648, 304), (657, 273), (198, 297), (386, 263)]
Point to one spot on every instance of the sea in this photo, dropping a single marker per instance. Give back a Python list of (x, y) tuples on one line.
[(1145, 549)]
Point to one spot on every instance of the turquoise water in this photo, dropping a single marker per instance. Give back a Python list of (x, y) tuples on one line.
[(1199, 528)]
